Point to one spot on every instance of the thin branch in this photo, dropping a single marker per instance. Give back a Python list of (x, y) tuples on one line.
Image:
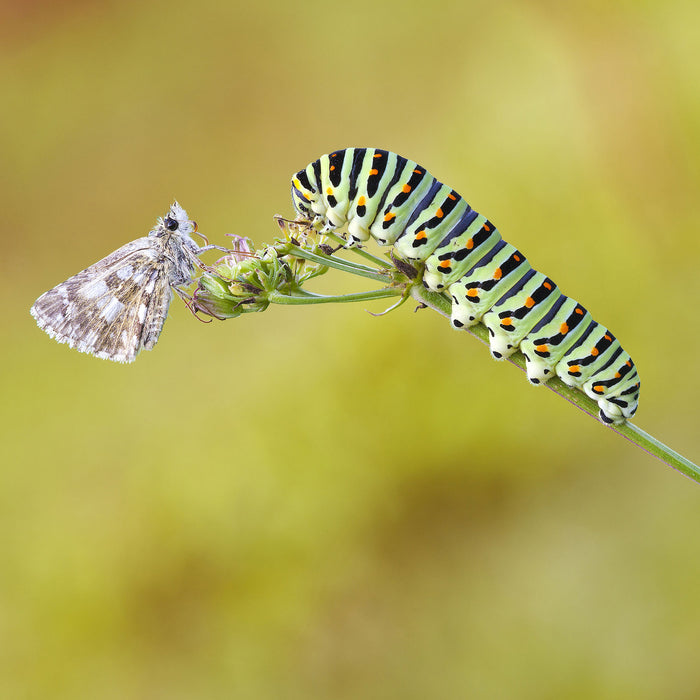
[(338, 264), (359, 251), (300, 299)]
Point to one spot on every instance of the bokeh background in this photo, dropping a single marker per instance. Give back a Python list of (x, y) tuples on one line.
[(313, 502)]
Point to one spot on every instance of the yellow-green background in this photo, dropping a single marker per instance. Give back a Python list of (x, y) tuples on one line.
[(312, 502)]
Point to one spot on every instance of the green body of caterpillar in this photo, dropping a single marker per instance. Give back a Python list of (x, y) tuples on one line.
[(378, 194)]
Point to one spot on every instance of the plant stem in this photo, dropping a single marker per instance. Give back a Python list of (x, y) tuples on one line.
[(276, 297), (657, 449), (628, 430), (380, 262), (339, 264)]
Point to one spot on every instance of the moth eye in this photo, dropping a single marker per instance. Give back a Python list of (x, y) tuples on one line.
[(170, 224)]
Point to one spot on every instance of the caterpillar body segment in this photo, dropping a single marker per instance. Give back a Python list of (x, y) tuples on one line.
[(374, 193), (486, 282), (515, 314), (552, 337)]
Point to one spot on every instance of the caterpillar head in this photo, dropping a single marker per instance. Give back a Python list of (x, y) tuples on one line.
[(306, 199)]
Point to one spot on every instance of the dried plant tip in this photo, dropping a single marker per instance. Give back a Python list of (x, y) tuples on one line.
[(404, 268)]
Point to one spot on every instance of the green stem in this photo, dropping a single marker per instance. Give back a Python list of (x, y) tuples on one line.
[(631, 432), (307, 298), (379, 262), (657, 449), (338, 264)]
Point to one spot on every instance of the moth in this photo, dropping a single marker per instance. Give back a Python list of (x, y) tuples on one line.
[(117, 307)]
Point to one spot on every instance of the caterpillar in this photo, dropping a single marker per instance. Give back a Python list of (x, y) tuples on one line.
[(375, 193)]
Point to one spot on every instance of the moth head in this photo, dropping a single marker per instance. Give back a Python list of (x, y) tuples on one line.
[(176, 220)]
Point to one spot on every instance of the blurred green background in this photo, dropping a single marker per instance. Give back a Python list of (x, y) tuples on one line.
[(312, 502)]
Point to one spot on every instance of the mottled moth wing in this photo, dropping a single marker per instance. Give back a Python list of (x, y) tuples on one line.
[(113, 308)]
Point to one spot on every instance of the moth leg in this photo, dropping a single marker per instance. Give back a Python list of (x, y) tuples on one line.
[(194, 258), (212, 246), (189, 302)]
